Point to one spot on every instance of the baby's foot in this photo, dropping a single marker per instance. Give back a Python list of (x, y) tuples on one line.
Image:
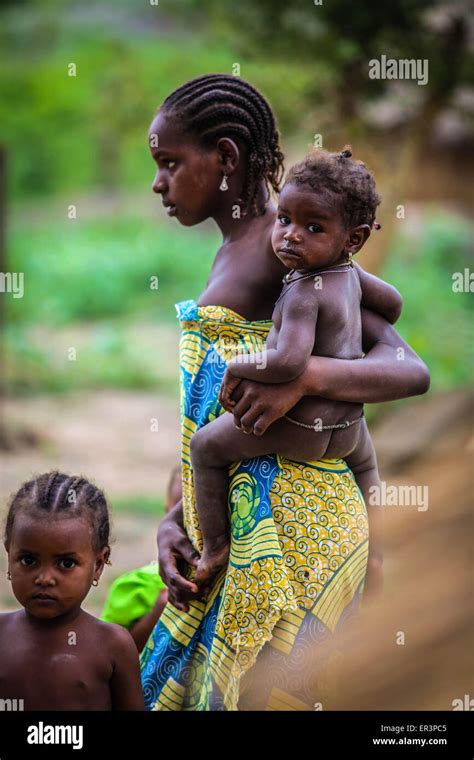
[(212, 561)]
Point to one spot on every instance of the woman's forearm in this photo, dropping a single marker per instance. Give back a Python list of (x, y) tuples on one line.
[(390, 369)]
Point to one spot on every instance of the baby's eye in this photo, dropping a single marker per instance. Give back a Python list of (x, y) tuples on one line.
[(67, 563), (169, 163), (27, 560), (283, 219), (314, 228)]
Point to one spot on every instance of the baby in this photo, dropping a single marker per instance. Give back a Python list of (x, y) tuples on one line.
[(53, 655), (325, 214)]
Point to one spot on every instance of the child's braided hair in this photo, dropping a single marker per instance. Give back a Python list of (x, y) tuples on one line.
[(58, 494), (349, 180), (220, 105)]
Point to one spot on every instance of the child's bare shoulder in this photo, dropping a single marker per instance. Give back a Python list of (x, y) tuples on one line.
[(11, 624), (302, 292), (115, 637), (10, 618)]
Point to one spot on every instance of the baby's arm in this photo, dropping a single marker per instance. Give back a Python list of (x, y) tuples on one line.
[(125, 684), (294, 344), (379, 296), (363, 463)]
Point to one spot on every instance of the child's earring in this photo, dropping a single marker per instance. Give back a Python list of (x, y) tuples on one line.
[(349, 259), (95, 582), (9, 575), (224, 186)]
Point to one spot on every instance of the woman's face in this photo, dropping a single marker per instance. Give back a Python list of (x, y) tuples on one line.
[(188, 176)]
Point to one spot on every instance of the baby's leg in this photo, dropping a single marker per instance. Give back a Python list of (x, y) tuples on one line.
[(213, 448), (363, 463)]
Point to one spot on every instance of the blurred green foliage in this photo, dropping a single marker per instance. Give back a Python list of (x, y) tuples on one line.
[(103, 268), (69, 136), (101, 273), (146, 505), (436, 321), (97, 275), (67, 133)]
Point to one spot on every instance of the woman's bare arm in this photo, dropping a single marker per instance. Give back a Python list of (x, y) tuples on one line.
[(390, 370)]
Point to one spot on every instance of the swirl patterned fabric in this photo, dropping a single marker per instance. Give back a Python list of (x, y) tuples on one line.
[(299, 544)]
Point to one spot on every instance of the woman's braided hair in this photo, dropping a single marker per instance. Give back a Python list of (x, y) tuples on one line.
[(55, 493), (220, 105), (349, 180)]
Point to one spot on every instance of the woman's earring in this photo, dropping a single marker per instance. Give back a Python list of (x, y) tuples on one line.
[(9, 575), (349, 259), (224, 185), (95, 582)]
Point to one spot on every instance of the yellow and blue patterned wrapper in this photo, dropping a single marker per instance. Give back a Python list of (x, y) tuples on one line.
[(299, 545)]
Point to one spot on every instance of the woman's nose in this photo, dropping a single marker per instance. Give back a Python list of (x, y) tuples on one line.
[(159, 184)]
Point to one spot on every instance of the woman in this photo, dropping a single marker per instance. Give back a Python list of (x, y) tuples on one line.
[(300, 547)]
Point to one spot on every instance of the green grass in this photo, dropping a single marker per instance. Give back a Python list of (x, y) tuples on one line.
[(88, 270), (436, 321), (145, 505), (87, 285)]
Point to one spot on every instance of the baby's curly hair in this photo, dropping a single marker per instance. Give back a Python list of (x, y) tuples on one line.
[(350, 181)]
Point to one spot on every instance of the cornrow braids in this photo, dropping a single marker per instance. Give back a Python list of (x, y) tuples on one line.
[(58, 494), (220, 105), (350, 181)]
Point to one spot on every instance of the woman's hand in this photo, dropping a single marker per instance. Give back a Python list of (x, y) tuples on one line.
[(228, 386), (174, 549), (258, 405)]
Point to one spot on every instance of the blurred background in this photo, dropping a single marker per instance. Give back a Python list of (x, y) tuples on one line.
[(90, 352)]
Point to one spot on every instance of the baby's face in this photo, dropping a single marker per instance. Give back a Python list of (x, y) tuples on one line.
[(308, 232), (52, 563)]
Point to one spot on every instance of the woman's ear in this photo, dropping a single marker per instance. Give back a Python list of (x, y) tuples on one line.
[(356, 238), (229, 154)]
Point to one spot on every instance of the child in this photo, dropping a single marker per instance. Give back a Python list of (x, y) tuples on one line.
[(325, 215), (53, 655), (136, 599)]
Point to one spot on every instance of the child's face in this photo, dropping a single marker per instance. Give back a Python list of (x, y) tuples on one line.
[(52, 563), (308, 232), (187, 177)]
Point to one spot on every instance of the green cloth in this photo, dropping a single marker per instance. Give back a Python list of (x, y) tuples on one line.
[(132, 595)]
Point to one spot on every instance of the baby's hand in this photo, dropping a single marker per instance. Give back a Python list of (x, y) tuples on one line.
[(228, 386)]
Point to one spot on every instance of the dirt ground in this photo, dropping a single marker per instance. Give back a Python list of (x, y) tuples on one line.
[(107, 436), (428, 594)]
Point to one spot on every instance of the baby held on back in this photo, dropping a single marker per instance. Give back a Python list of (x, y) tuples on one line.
[(326, 212)]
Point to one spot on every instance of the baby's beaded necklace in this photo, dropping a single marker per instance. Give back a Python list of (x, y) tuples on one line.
[(335, 268)]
